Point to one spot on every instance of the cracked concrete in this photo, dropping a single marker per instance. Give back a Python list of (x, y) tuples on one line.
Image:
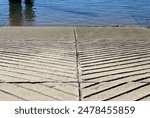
[(74, 63)]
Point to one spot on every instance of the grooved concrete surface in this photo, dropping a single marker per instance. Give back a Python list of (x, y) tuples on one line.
[(74, 63)]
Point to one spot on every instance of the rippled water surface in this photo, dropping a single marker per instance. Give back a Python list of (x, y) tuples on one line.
[(76, 12)]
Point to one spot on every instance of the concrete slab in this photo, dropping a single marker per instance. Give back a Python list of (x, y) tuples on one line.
[(137, 94), (36, 61), (37, 54), (100, 86), (112, 58), (74, 63), (38, 91), (123, 91)]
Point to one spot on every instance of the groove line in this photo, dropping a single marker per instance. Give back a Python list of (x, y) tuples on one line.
[(77, 65)]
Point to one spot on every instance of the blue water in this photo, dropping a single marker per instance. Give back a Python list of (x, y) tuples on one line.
[(76, 13)]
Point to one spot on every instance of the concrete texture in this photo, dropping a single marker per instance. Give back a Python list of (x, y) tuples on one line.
[(74, 63)]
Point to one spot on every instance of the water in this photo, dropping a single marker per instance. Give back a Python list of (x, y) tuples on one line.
[(75, 13)]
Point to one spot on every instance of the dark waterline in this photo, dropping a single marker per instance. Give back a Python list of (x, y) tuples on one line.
[(75, 13)]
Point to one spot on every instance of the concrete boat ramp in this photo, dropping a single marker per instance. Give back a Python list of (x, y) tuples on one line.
[(74, 63)]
